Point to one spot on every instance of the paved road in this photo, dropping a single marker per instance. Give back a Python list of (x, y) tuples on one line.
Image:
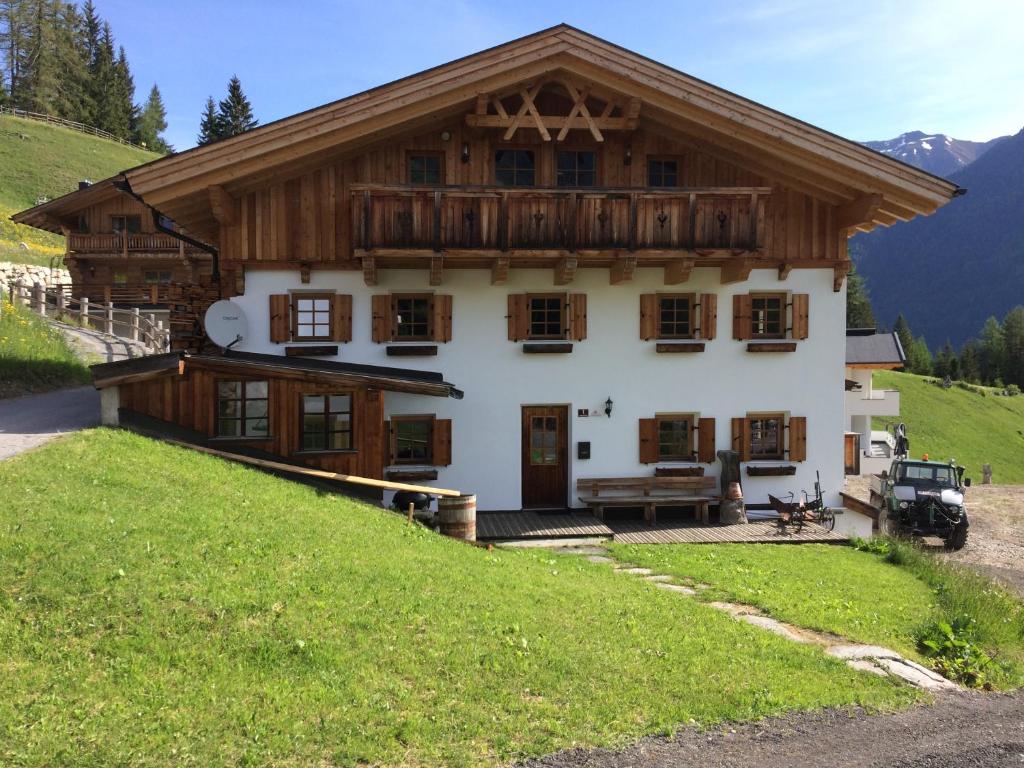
[(30, 421)]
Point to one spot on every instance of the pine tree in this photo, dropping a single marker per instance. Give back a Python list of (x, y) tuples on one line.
[(993, 349), (91, 43), (126, 114), (235, 112), (858, 304), (209, 126), (13, 30), (153, 122), (1013, 337), (919, 358), (72, 54), (37, 88), (970, 362), (103, 82), (902, 330)]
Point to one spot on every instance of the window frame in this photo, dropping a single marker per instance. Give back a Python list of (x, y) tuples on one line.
[(413, 418), (294, 298), (692, 298), (395, 298), (125, 217), (158, 272), (691, 439), (326, 434), (241, 418), (778, 455), (783, 300), (577, 151), (664, 159), (118, 278), (494, 166), (563, 316), (439, 154)]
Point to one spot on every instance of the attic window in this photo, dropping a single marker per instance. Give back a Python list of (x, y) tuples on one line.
[(425, 168), (515, 168), (122, 224), (576, 169), (662, 172)]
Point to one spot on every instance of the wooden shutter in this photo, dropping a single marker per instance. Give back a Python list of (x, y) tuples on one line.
[(441, 307), (380, 305), (648, 316), (801, 306), (797, 438), (441, 442), (280, 317), (741, 437), (577, 312), (387, 443), (708, 316), (648, 441), (741, 316), (341, 317), (706, 441), (518, 316)]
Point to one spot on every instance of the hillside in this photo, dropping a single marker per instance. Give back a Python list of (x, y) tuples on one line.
[(935, 153), (41, 160), (950, 271), (956, 423)]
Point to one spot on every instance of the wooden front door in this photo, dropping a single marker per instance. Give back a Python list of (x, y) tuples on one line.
[(545, 456), (851, 453)]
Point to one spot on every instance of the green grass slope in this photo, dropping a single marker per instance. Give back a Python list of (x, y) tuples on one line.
[(41, 160), (955, 423), (162, 607), (34, 356)]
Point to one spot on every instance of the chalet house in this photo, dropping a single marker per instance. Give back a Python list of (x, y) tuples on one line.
[(549, 261)]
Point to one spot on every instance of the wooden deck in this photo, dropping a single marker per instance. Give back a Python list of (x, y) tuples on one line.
[(500, 526)]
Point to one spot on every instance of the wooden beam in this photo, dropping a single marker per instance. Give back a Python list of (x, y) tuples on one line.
[(304, 273), (736, 271), (222, 204), (859, 211), (565, 270), (499, 270), (839, 273), (622, 270), (369, 270), (551, 121), (678, 271), (784, 270), (436, 270)]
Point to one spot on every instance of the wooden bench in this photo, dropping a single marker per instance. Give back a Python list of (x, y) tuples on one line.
[(647, 492)]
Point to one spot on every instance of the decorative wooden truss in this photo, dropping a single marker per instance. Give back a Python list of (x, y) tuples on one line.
[(617, 114)]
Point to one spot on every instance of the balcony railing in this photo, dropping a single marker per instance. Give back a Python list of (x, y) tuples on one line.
[(509, 219), (123, 244)]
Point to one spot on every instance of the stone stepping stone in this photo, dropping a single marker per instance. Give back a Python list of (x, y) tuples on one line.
[(773, 625), (682, 590), (636, 571), (890, 661), (658, 577), (599, 559)]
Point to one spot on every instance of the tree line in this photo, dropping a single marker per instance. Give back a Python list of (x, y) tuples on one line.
[(60, 60)]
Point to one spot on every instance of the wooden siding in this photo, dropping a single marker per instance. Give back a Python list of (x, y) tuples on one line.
[(190, 401)]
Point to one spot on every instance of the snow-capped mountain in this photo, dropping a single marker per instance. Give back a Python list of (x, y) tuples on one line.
[(935, 153)]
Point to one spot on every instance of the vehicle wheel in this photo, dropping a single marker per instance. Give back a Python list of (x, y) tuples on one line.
[(827, 520), (957, 539), (886, 527)]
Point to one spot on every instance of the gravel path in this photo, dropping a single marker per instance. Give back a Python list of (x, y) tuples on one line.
[(962, 730), (28, 422)]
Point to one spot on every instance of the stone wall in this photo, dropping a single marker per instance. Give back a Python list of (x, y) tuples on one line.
[(30, 274)]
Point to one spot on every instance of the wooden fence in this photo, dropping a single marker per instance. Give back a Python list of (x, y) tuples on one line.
[(80, 127)]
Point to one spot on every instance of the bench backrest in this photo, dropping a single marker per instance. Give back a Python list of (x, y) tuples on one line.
[(597, 485)]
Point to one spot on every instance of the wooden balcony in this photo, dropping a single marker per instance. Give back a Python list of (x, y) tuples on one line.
[(122, 245), (588, 222)]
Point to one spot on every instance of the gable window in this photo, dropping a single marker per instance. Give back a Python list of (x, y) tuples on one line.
[(121, 224), (82, 225), (675, 438), (767, 436), (413, 318), (767, 316), (426, 168), (576, 169), (412, 439), (326, 422), (547, 316), (311, 316), (675, 316), (242, 409), (157, 276), (514, 168), (662, 172)]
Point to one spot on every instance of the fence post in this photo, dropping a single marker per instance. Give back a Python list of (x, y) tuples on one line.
[(83, 311), (16, 293), (135, 323), (60, 303), (109, 325), (38, 299)]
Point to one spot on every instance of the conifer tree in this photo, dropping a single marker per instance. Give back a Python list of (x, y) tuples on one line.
[(104, 82), (1013, 339), (124, 111), (902, 329), (209, 127), (858, 304), (993, 349), (970, 362), (235, 112), (153, 122)]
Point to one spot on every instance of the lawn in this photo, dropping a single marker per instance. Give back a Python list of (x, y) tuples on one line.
[(34, 356), (162, 607), (961, 424), (868, 597)]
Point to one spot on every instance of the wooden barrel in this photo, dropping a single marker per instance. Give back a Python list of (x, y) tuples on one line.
[(456, 516)]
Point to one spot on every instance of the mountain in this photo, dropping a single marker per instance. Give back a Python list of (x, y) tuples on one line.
[(950, 271), (935, 153)]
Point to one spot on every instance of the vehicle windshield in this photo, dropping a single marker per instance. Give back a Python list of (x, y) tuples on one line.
[(927, 475)]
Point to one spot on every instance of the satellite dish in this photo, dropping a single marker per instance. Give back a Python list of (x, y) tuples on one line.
[(225, 323)]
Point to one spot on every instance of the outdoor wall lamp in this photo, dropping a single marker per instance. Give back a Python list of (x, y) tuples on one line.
[(608, 407), (627, 158), (465, 151)]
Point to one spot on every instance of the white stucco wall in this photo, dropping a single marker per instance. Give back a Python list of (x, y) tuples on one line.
[(497, 378)]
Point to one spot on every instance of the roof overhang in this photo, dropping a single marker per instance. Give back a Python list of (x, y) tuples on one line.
[(51, 215)]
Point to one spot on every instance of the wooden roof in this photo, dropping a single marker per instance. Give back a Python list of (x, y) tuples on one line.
[(47, 216)]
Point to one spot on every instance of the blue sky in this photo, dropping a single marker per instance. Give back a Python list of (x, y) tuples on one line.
[(866, 70)]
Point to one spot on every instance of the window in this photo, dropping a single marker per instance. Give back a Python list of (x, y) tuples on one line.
[(543, 440), (82, 225), (547, 316), (675, 317), (576, 169), (123, 224), (426, 168), (120, 278), (767, 436), (311, 318), (767, 316), (158, 277), (675, 438), (662, 173), (514, 167), (242, 409), (413, 317), (412, 439), (326, 422)]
